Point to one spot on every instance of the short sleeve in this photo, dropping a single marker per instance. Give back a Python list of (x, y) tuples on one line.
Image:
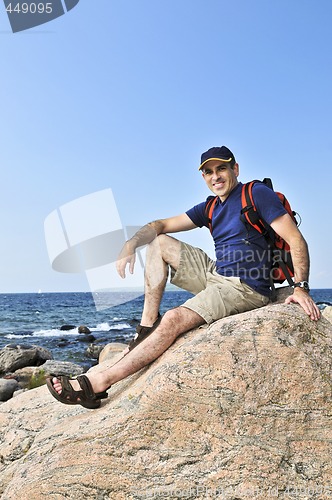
[(197, 214)]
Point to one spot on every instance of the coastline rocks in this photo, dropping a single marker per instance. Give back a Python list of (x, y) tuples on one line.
[(84, 329), (242, 406), (7, 388), (65, 328), (93, 351), (327, 313), (31, 377), (24, 376), (86, 338), (85, 334), (81, 329), (13, 357), (53, 367), (111, 351)]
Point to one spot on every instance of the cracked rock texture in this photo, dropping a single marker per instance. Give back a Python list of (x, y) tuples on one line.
[(241, 408)]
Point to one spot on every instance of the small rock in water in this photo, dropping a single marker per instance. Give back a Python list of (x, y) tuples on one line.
[(87, 338), (67, 327), (93, 351), (63, 343), (84, 329)]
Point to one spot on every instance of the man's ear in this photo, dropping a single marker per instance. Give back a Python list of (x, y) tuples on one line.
[(236, 169)]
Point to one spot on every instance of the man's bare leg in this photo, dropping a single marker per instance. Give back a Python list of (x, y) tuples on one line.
[(163, 251), (174, 323)]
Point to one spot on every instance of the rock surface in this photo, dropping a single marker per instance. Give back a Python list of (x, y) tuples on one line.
[(93, 350), (13, 357), (327, 313), (111, 351), (84, 329), (65, 328), (7, 389), (241, 407), (33, 376), (51, 367)]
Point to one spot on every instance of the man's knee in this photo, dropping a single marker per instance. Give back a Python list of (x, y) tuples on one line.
[(181, 319), (167, 248), (172, 315)]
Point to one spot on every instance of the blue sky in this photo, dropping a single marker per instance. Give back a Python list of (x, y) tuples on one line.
[(127, 94)]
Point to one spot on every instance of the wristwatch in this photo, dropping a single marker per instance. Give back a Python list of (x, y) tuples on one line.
[(303, 284)]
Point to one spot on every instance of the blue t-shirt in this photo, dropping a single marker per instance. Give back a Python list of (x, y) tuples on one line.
[(240, 249)]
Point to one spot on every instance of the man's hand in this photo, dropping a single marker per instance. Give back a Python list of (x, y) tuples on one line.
[(308, 305), (126, 256), (146, 235)]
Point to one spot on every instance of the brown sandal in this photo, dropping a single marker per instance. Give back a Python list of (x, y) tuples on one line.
[(142, 332), (85, 397)]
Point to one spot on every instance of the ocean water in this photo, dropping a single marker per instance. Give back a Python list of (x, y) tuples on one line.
[(37, 318)]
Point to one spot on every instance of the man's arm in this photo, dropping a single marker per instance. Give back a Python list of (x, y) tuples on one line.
[(147, 234), (288, 230)]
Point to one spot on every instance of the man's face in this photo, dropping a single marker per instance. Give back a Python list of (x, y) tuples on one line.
[(220, 177)]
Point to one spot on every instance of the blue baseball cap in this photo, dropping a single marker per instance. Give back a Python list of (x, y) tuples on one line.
[(222, 153)]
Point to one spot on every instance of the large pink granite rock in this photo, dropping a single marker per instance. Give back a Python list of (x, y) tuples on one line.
[(241, 408)]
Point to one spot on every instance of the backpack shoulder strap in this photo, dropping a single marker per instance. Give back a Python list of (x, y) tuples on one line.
[(249, 212), (250, 215), (209, 207)]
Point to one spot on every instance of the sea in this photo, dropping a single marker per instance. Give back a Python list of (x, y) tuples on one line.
[(51, 320)]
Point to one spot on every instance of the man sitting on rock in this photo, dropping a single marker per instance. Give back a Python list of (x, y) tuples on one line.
[(237, 281)]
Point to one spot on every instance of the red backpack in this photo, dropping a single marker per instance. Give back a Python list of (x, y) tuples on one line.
[(282, 265)]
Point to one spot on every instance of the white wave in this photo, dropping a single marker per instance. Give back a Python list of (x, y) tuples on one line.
[(54, 332), (105, 327), (120, 326), (13, 336)]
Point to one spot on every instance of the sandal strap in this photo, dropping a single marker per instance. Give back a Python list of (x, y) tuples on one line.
[(66, 385), (85, 396), (142, 332), (86, 387), (101, 395)]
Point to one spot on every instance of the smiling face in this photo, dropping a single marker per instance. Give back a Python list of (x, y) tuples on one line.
[(220, 177)]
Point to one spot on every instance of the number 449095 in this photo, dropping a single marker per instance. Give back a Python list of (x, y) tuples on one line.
[(29, 8)]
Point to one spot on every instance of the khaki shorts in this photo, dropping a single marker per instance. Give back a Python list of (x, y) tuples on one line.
[(216, 296)]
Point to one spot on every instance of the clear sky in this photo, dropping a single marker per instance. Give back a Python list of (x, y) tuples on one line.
[(126, 94)]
